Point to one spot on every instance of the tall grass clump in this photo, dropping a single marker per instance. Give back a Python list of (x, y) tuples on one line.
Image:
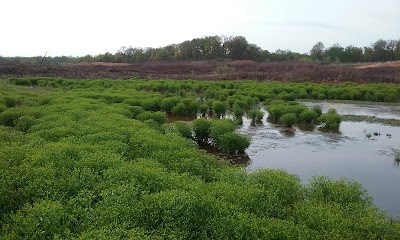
[(255, 115), (219, 108), (201, 128), (288, 119), (330, 120)]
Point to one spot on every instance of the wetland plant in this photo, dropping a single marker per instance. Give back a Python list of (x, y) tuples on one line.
[(219, 108), (330, 120), (397, 156), (232, 142), (238, 113), (255, 115), (288, 119), (308, 116), (201, 128)]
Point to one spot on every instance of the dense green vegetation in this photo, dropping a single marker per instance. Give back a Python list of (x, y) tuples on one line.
[(97, 160), (216, 48)]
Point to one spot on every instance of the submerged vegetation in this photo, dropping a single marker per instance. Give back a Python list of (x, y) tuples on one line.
[(97, 159)]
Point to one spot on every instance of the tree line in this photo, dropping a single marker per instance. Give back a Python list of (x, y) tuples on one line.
[(224, 48)]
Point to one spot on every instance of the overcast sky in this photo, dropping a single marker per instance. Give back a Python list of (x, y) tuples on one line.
[(80, 27)]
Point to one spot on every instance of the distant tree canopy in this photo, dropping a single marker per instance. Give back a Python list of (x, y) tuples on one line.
[(224, 48)]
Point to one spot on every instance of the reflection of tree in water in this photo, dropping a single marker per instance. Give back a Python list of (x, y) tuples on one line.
[(288, 132), (396, 160)]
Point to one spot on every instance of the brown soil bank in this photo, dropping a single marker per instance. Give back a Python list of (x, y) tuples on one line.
[(389, 73)]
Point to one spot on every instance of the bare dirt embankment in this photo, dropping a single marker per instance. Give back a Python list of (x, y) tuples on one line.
[(242, 70)]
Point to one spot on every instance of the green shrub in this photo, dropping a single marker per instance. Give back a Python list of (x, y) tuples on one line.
[(307, 116), (167, 104), (9, 116), (201, 129), (318, 110), (11, 101), (184, 129), (219, 128), (344, 191), (203, 109), (136, 110), (275, 111), (219, 108), (286, 186), (179, 110), (232, 142), (238, 113), (288, 119), (159, 117), (330, 120), (24, 123), (256, 115), (151, 104)]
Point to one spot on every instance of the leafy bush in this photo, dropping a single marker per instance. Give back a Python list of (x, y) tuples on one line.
[(201, 129), (318, 110), (238, 113), (330, 120), (159, 117), (219, 128), (183, 128), (232, 142), (203, 109), (11, 101), (219, 108), (288, 119), (136, 110), (24, 123), (167, 104), (256, 115), (307, 116)]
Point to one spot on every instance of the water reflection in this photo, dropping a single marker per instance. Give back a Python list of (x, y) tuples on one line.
[(288, 132), (381, 111), (238, 159)]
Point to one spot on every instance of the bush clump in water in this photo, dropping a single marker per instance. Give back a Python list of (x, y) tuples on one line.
[(233, 142), (330, 120), (256, 115), (288, 119), (201, 128)]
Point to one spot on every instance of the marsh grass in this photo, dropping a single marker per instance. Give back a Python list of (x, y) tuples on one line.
[(79, 165)]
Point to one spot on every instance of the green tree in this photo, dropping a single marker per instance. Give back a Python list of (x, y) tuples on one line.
[(317, 51)]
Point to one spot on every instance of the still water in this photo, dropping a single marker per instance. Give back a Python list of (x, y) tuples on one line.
[(360, 151)]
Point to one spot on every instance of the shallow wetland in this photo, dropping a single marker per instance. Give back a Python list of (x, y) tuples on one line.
[(361, 151)]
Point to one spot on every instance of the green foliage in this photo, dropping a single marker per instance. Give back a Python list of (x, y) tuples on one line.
[(201, 129), (255, 115), (183, 128), (344, 192), (238, 113), (288, 119), (318, 110), (232, 142), (11, 101), (330, 120), (159, 117), (219, 128), (24, 123), (76, 164), (203, 109), (167, 104), (219, 108), (308, 116)]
